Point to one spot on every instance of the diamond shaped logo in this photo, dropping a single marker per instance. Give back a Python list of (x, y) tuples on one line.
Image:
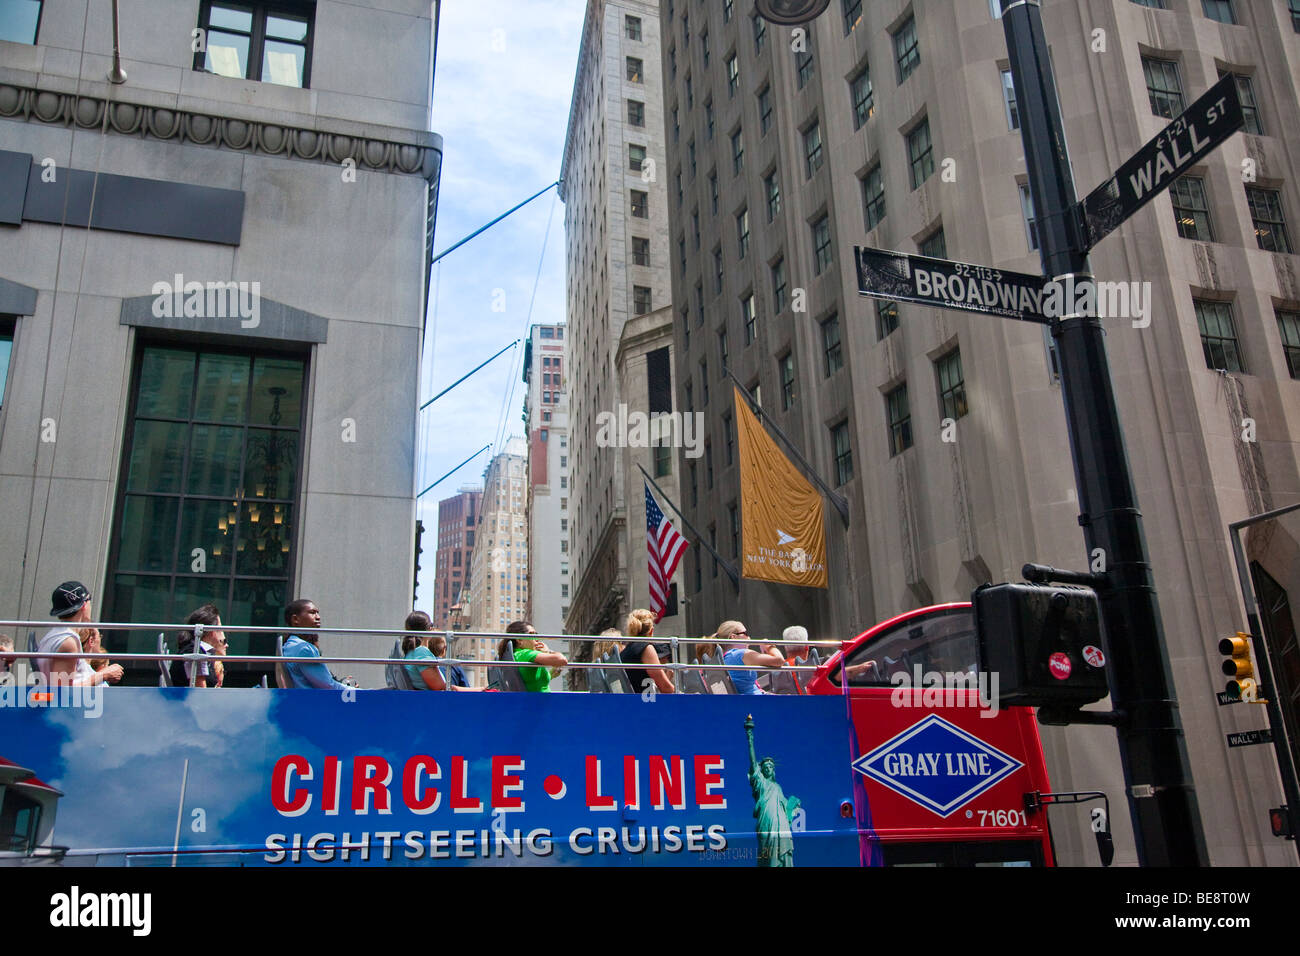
[(937, 765)]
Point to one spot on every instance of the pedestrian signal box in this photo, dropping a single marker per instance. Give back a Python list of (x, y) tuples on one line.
[(1044, 643)]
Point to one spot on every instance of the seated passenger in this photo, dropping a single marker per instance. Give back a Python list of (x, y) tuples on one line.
[(423, 676), (641, 624), (731, 634), (70, 603), (6, 662), (531, 651), (303, 615), (213, 642)]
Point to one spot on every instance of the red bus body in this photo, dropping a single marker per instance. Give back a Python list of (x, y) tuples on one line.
[(991, 825)]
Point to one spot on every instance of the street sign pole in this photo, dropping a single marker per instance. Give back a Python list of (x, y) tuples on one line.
[(1162, 802)]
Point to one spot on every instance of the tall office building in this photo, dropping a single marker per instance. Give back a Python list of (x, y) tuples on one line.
[(207, 395), (546, 410), (616, 193), (498, 583), (895, 125), (457, 525)]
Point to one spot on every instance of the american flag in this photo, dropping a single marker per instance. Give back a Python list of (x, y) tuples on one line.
[(666, 548)]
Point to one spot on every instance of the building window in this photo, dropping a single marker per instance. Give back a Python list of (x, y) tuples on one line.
[(690, 399), (726, 433), (995, 9), (7, 328), (804, 68), (733, 74), (690, 150), (1164, 89), (704, 47), (708, 118), (1294, 7), (821, 236), (1154, 4), (681, 253), (832, 356), (704, 383), (640, 251), (786, 365), (1031, 222), (1220, 10), (812, 149), (1249, 106), (678, 176), (728, 7), (1266, 214), (690, 93), (920, 153), (864, 97), (640, 204), (20, 21), (686, 336), (723, 357), (907, 52), (1218, 336), (640, 299), (635, 157), (663, 460), (1009, 101), (695, 487), (873, 197), (634, 72), (708, 466), (1191, 211), (952, 386), (211, 457), (843, 453), (742, 233), (1288, 324), (760, 34), (778, 286), (886, 318), (764, 110), (717, 273), (934, 245), (733, 519), (632, 27), (749, 317), (772, 190), (677, 126), (713, 191), (899, 416), (695, 226), (852, 14), (257, 41), (713, 545), (672, 62), (737, 152)]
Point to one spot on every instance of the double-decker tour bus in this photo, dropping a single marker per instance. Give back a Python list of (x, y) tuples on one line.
[(885, 754)]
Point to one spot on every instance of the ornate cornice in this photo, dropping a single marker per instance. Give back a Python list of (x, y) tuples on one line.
[(202, 129)]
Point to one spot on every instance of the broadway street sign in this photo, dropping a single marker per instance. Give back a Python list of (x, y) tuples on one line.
[(1197, 130), (950, 285)]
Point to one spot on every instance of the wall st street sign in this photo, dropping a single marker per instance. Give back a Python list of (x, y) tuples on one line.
[(950, 285), (1197, 130)]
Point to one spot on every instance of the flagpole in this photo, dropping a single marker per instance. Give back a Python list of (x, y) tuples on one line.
[(838, 500), (726, 565)]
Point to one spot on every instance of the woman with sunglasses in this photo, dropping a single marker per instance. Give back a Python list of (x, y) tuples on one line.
[(733, 636)]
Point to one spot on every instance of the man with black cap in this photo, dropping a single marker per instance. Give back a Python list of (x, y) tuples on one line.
[(70, 603)]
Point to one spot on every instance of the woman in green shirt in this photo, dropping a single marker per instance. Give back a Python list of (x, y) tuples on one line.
[(531, 651)]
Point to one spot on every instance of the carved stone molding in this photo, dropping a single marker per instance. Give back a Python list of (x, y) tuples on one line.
[(155, 122)]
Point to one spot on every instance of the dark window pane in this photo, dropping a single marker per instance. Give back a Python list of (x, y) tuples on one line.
[(166, 382), (258, 604), (277, 392), (215, 456), (142, 599), (157, 456), (194, 592), (148, 535), (222, 393), (206, 524), (270, 463)]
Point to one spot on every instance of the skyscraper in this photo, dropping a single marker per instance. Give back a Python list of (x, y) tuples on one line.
[(546, 408), (498, 583), (896, 127), (457, 525)]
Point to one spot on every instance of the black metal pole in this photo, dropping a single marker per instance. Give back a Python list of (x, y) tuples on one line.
[(1166, 823)]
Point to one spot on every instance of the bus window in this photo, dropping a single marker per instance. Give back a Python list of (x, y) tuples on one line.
[(942, 642), (19, 816)]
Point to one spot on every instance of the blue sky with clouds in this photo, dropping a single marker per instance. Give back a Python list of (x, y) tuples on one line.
[(501, 103)]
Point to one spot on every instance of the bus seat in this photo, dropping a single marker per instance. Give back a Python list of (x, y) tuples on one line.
[(718, 682), (616, 677), (395, 675), (690, 682), (164, 667)]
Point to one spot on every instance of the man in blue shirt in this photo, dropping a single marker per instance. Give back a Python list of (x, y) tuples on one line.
[(304, 615)]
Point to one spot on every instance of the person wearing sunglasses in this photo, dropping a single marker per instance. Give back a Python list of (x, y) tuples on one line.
[(733, 636)]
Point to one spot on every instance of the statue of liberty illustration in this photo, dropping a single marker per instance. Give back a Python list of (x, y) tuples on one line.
[(772, 808)]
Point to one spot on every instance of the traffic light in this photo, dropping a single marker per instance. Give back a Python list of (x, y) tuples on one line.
[(1044, 643), (1239, 667)]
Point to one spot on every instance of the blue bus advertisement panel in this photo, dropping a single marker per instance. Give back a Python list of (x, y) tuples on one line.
[(306, 778)]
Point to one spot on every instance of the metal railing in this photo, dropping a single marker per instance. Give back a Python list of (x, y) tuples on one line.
[(673, 664)]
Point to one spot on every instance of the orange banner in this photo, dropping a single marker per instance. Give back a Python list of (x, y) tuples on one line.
[(782, 522)]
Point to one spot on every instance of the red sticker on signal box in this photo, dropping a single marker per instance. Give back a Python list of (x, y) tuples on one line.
[(1059, 665), (1094, 656)]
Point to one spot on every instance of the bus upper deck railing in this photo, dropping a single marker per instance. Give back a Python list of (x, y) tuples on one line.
[(672, 664)]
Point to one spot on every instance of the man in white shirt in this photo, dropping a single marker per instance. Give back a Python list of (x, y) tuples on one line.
[(70, 603)]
